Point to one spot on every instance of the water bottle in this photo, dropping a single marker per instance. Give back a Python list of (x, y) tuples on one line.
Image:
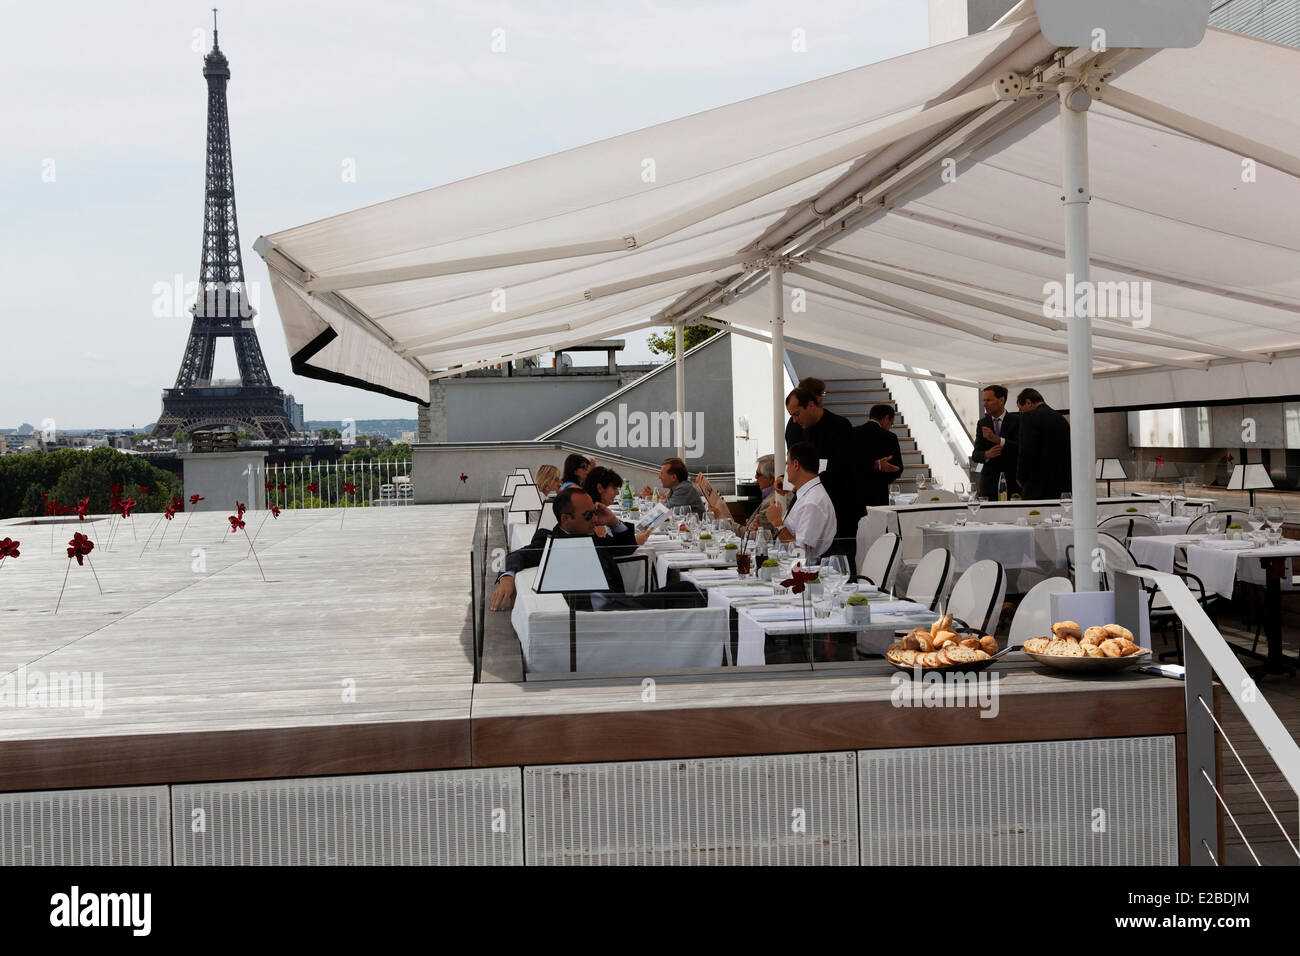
[(760, 547), (627, 496), (1002, 487)]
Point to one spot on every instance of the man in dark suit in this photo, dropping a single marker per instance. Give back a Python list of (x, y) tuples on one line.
[(880, 458), (997, 445), (833, 438), (1044, 466), (576, 515)]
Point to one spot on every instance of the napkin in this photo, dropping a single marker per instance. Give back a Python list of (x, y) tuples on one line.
[(768, 614)]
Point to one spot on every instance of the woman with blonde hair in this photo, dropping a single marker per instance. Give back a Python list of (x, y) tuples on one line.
[(548, 481)]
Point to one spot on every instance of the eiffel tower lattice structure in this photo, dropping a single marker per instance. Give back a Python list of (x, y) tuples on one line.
[(222, 310)]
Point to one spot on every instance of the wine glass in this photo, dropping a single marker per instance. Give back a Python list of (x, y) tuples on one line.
[(1180, 501), (1274, 518), (1067, 505), (1166, 497), (834, 570), (973, 504), (921, 482), (1255, 517)]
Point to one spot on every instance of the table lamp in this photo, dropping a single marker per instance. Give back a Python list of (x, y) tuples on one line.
[(524, 499), (1249, 478), (570, 565), (524, 472), (512, 482), (1108, 470)]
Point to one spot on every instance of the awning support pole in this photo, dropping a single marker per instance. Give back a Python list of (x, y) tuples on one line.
[(777, 282), (679, 346), (1075, 198)]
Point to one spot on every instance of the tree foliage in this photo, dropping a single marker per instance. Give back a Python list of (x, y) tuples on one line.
[(665, 343), (70, 474)]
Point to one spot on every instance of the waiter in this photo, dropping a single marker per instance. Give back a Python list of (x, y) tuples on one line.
[(880, 457), (1044, 465), (832, 437), (997, 445)]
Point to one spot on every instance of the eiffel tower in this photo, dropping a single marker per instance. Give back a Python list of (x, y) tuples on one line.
[(223, 310)]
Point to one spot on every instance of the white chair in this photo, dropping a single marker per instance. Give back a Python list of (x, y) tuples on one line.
[(634, 569), (1229, 517), (1034, 615), (880, 562), (978, 595), (931, 579), (1129, 526)]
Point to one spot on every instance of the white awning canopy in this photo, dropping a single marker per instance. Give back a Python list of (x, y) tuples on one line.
[(915, 203)]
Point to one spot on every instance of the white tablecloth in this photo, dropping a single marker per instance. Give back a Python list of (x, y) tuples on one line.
[(1015, 547), (1159, 551), (520, 533), (666, 561), (1219, 565), (754, 623)]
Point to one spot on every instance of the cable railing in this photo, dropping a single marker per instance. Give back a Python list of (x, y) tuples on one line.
[(1207, 655), (336, 484)]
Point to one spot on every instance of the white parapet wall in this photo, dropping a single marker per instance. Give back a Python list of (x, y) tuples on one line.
[(940, 434)]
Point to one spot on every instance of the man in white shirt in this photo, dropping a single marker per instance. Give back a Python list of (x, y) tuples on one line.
[(811, 522)]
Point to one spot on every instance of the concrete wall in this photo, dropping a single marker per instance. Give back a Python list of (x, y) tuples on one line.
[(436, 469), (223, 478), (635, 423), (517, 409)]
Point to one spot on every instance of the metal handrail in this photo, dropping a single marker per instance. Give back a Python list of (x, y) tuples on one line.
[(1205, 654)]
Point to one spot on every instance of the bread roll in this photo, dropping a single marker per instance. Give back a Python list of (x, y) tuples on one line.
[(1037, 645), (1067, 629), (1092, 650), (911, 643), (970, 642), (989, 644), (1112, 648), (1094, 635), (1117, 630), (945, 637)]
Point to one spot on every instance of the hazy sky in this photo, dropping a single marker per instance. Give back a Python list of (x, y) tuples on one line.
[(102, 130)]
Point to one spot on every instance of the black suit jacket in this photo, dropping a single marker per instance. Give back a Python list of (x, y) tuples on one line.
[(615, 544), (876, 442), (1044, 462), (1006, 463), (835, 440)]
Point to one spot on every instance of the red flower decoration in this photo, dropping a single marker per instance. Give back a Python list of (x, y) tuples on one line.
[(235, 523), (45, 496), (178, 503), (80, 546), (169, 512), (799, 579), (349, 489), (275, 511), (124, 506), (1230, 459), (281, 486), (1160, 460), (144, 489), (270, 485), (239, 506), (115, 491), (313, 487), (51, 508), (83, 508), (9, 548), (195, 499), (463, 477)]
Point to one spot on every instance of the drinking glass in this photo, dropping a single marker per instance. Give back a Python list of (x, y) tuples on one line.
[(1180, 502), (1067, 504), (1255, 517), (834, 570), (1166, 497), (920, 482), (1274, 518), (1214, 523)]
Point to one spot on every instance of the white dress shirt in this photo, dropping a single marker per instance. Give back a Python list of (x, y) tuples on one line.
[(812, 519)]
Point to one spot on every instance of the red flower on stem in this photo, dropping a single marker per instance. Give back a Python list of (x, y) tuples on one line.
[(80, 546), (463, 477), (169, 512), (1160, 460), (236, 522), (270, 485), (51, 508), (115, 491), (275, 511), (178, 503), (1230, 458), (195, 499), (313, 487), (83, 508), (124, 506), (281, 486), (349, 489), (239, 506), (799, 579), (9, 548), (144, 489)]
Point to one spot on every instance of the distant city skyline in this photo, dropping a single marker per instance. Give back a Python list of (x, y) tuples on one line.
[(101, 170)]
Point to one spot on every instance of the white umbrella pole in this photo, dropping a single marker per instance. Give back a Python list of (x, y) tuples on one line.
[(776, 281), (679, 342), (1075, 198)]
